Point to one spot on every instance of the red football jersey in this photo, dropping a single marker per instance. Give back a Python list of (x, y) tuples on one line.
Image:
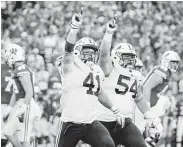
[(7, 84), (16, 73), (159, 88)]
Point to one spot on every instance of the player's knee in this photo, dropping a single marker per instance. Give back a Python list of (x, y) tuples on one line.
[(106, 141)]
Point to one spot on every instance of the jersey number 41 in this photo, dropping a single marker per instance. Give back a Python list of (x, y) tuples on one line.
[(89, 82)]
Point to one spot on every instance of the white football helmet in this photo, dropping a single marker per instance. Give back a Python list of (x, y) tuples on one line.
[(167, 58), (87, 50), (14, 53), (122, 49)]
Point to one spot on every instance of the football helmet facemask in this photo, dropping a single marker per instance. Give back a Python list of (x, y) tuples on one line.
[(87, 50), (170, 61), (124, 54)]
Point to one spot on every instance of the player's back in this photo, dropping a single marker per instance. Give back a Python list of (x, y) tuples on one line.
[(80, 94), (16, 73), (121, 87), (159, 88), (7, 84)]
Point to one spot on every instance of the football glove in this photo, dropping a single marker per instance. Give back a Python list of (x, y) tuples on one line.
[(111, 26), (154, 128), (77, 20), (119, 117), (7, 113)]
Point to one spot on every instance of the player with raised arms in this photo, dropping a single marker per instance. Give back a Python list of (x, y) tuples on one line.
[(123, 88), (81, 81), (7, 87)]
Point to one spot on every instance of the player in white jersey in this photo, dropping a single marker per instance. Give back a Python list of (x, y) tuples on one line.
[(24, 110), (122, 86), (81, 79)]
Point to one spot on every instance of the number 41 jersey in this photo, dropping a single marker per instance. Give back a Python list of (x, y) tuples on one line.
[(121, 87), (80, 92)]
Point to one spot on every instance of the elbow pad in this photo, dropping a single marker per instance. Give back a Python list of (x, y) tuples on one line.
[(69, 47)]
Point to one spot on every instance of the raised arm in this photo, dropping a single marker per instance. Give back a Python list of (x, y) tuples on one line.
[(104, 60), (68, 58)]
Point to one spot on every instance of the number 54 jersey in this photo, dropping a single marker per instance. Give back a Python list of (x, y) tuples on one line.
[(121, 87), (80, 92)]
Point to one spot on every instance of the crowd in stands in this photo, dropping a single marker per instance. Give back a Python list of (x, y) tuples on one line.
[(41, 27)]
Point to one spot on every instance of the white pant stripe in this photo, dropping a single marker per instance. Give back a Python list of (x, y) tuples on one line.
[(27, 113), (59, 133)]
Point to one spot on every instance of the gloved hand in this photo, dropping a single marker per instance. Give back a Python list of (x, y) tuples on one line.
[(111, 26), (119, 117), (152, 120), (20, 112), (77, 20), (154, 128), (7, 113)]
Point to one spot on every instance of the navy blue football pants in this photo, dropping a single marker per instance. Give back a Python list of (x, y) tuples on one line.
[(129, 136), (94, 134)]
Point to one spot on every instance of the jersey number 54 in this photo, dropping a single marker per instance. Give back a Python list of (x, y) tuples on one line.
[(132, 88)]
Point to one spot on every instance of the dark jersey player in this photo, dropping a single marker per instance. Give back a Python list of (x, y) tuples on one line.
[(23, 107), (7, 87)]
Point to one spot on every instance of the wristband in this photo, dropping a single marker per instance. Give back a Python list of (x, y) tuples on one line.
[(74, 30)]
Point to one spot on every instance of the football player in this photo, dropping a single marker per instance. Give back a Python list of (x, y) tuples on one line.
[(121, 85), (18, 127), (156, 81), (81, 81), (7, 86)]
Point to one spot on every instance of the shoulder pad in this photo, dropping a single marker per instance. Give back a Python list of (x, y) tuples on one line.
[(161, 72), (22, 69)]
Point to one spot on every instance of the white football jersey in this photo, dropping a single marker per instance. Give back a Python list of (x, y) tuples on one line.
[(121, 87), (80, 92)]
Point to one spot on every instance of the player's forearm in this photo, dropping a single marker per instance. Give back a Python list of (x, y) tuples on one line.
[(106, 45), (104, 100), (71, 40), (12, 100), (104, 59), (143, 105)]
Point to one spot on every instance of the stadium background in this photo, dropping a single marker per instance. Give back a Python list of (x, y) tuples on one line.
[(41, 27)]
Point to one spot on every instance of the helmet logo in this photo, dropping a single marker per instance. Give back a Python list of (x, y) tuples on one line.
[(129, 47), (79, 48), (13, 51)]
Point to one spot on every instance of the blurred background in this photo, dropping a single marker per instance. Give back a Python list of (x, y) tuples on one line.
[(41, 27)]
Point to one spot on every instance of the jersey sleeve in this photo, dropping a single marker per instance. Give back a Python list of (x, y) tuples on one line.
[(21, 70)]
